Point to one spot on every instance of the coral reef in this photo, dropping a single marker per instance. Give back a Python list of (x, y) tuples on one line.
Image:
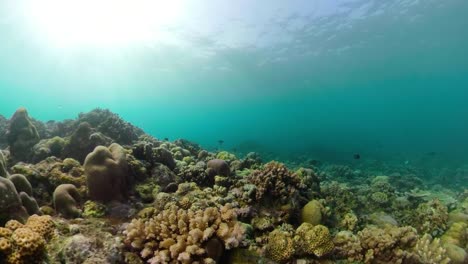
[(106, 172), (156, 201)]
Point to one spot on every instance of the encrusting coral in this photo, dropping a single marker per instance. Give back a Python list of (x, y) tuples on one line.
[(180, 235)]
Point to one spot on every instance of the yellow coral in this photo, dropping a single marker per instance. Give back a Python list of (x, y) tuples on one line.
[(43, 225), (280, 247), (27, 241), (430, 251), (311, 239), (457, 234), (5, 232), (5, 245), (13, 225)]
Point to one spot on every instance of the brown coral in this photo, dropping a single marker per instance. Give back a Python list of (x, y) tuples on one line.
[(275, 181)]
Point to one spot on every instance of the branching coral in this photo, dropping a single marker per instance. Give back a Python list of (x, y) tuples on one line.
[(275, 181), (180, 235), (430, 251), (387, 245)]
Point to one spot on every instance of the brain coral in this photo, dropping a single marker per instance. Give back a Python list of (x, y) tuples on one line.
[(106, 172), (176, 235)]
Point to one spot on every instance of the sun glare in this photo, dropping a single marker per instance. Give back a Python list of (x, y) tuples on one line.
[(101, 22)]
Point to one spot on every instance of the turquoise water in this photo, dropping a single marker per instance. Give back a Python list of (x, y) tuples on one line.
[(322, 78)]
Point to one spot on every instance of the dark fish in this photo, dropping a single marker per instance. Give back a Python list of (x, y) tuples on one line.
[(356, 156), (220, 141), (166, 139), (433, 153)]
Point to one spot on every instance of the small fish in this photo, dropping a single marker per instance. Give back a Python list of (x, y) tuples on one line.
[(166, 139), (356, 156), (220, 141)]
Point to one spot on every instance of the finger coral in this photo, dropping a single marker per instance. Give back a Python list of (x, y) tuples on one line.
[(180, 235), (430, 251)]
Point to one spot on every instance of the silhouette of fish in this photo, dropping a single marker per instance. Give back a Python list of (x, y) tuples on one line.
[(356, 156)]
